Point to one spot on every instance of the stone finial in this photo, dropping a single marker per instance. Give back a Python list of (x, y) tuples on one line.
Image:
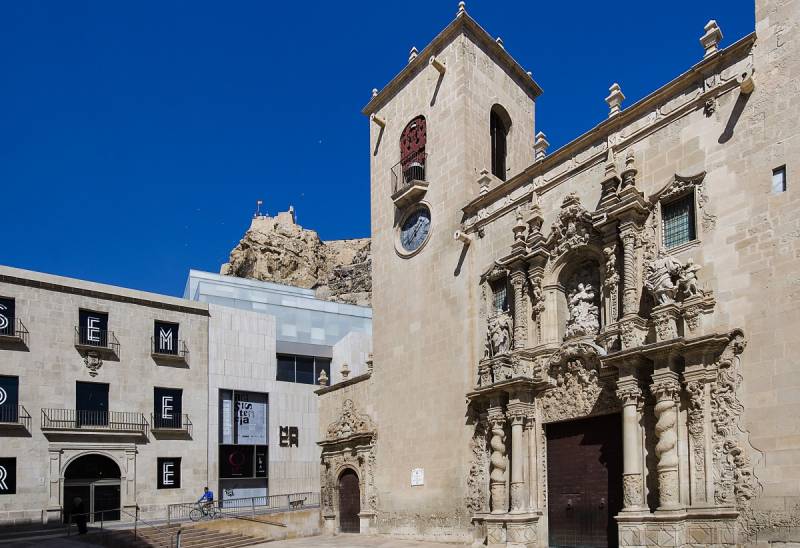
[(614, 99), (345, 371), (323, 378), (412, 54), (500, 42), (629, 173), (540, 147), (611, 163), (462, 9), (519, 227), (711, 38), (374, 92), (483, 182)]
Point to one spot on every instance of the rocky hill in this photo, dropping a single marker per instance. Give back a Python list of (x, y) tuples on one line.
[(277, 249)]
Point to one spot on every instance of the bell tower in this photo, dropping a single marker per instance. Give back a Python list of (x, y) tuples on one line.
[(457, 120)]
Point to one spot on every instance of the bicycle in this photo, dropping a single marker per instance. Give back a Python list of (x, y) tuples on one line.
[(200, 511)]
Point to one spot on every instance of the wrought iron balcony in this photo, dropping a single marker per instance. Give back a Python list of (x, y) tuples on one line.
[(14, 332), (178, 353), (14, 417), (408, 179), (79, 420), (104, 343), (179, 424)]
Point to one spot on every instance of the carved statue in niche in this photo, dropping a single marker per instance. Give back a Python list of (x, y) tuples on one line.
[(582, 303), (687, 281), (661, 277), (498, 335)]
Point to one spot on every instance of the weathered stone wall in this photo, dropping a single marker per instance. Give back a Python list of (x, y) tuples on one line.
[(277, 249)]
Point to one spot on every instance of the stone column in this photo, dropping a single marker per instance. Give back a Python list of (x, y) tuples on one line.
[(498, 463), (630, 301), (533, 484), (666, 389), (517, 419), (630, 395), (518, 276)]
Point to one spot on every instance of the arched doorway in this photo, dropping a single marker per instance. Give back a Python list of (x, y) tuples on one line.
[(349, 502), (95, 480)]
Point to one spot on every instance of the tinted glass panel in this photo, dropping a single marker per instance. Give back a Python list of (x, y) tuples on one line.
[(286, 368), (305, 370), (9, 399), (6, 316)]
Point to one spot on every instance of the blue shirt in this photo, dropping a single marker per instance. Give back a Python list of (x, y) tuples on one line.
[(208, 495)]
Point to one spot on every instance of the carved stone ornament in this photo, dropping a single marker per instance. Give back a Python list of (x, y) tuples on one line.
[(584, 314), (93, 363), (478, 479), (350, 423), (668, 281), (734, 483), (498, 335), (681, 185), (573, 227), (632, 490), (578, 390), (696, 426)]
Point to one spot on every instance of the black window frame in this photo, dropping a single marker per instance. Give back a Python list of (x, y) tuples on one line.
[(319, 363), (677, 205)]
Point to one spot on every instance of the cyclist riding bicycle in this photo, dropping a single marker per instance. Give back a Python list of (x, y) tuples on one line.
[(207, 500)]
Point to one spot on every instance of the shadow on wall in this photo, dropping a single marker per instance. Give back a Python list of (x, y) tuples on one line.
[(733, 119)]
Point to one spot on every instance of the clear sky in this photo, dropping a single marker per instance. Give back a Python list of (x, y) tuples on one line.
[(135, 137)]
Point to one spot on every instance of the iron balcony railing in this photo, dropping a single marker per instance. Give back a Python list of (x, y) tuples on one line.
[(96, 339), (409, 169), (179, 351), (15, 329), (79, 419), (247, 506), (15, 415), (177, 423)]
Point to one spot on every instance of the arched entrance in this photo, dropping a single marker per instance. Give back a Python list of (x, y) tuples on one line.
[(349, 502), (95, 480)]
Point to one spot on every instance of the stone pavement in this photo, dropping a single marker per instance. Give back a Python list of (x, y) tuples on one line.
[(348, 541)]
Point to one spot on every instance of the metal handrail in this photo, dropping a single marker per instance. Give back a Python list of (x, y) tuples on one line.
[(136, 520), (16, 329), (409, 169), (15, 414), (79, 419), (181, 422), (181, 350), (251, 505), (104, 339)]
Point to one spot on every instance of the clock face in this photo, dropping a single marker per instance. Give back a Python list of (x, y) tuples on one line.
[(415, 229)]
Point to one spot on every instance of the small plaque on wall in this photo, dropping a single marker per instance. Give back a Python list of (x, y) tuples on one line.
[(417, 477)]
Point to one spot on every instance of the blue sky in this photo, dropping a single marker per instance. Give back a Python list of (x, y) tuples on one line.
[(136, 137)]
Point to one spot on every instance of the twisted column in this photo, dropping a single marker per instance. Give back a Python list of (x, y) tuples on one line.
[(630, 293), (630, 395), (666, 391), (520, 314), (497, 475)]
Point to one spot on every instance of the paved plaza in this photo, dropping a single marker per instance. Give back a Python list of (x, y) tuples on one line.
[(348, 541)]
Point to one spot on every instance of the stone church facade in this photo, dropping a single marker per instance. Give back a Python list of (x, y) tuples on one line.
[(589, 347)]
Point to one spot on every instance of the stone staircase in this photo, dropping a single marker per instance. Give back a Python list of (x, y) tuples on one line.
[(164, 537)]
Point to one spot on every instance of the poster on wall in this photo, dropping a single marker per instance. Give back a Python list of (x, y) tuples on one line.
[(9, 399), (93, 328), (226, 421), (167, 404), (241, 489), (289, 436), (165, 338), (251, 418), (8, 476), (236, 461), (7, 310), (262, 464), (169, 472)]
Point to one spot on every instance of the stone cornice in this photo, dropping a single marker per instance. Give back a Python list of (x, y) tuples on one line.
[(733, 53), (461, 24), (348, 382), (61, 284)]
